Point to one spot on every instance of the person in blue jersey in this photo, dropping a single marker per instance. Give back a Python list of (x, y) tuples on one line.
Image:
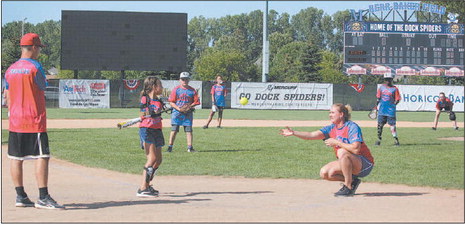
[(183, 99), (388, 97), (218, 93)]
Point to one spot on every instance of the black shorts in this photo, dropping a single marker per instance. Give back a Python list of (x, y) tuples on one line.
[(447, 108), (22, 146), (151, 136)]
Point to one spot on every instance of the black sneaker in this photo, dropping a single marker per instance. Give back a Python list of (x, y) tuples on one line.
[(456, 128), (153, 190), (191, 149), (355, 183), (219, 127), (170, 149), (48, 203), (378, 142), (344, 191), (396, 142), (148, 192), (205, 127), (434, 128), (23, 202)]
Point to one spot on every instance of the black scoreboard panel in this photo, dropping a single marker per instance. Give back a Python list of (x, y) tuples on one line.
[(103, 40), (404, 49)]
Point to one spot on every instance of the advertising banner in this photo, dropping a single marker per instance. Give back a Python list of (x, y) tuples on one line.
[(424, 98), (84, 94), (168, 86), (282, 95)]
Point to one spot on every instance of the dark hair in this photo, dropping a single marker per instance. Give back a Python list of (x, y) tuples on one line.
[(218, 76), (149, 83), (442, 93), (346, 109)]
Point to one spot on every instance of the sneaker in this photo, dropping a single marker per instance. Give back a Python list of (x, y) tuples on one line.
[(434, 128), (170, 149), (355, 183), (191, 150), (148, 192), (456, 128), (205, 127), (219, 127), (48, 203), (23, 202), (396, 142), (344, 191), (378, 142)]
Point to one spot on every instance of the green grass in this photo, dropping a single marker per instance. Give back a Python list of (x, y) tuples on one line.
[(119, 113), (421, 160)]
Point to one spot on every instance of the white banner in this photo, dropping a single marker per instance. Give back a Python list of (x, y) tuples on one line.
[(168, 86), (84, 94), (282, 95), (424, 97)]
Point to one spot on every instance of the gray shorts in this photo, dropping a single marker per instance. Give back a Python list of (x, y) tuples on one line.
[(175, 127), (151, 136), (367, 166)]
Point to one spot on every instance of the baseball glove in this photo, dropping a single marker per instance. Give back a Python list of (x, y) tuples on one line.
[(452, 116), (185, 108)]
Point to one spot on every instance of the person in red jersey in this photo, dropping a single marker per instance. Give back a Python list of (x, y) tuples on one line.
[(445, 104), (25, 86), (354, 159)]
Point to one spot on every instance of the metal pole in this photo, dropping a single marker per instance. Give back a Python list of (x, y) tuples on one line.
[(266, 53), (22, 27)]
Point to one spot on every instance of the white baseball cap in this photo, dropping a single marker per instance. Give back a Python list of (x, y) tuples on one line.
[(388, 76), (184, 75)]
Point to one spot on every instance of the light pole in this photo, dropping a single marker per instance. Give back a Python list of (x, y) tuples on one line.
[(22, 27), (266, 53)]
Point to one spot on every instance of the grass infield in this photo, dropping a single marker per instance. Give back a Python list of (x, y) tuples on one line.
[(120, 113), (421, 160)]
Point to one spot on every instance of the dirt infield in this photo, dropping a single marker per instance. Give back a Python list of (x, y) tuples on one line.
[(99, 195)]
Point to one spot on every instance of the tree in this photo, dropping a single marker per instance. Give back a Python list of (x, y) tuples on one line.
[(329, 68), (232, 64), (307, 25)]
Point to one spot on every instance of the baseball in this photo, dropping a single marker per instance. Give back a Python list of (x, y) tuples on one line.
[(244, 101)]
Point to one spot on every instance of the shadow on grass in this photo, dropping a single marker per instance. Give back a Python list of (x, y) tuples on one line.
[(232, 150), (419, 144), (392, 194), (109, 204), (100, 112), (221, 193)]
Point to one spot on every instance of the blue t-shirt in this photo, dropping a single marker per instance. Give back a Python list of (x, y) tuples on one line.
[(387, 96), (219, 92)]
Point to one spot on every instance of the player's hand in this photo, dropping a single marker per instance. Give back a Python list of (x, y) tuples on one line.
[(331, 142), (287, 132)]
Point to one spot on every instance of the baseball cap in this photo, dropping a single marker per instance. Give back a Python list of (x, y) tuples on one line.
[(31, 39), (184, 75)]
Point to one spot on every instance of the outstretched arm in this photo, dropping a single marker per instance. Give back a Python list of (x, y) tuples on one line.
[(315, 135)]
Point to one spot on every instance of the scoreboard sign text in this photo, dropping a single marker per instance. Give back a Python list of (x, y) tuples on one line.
[(376, 48)]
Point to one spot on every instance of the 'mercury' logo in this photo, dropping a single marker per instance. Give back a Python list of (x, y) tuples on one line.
[(289, 87)]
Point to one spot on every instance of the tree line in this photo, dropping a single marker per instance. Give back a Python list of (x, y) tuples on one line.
[(305, 47)]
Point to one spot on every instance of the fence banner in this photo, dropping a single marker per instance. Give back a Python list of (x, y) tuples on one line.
[(282, 95), (168, 86), (84, 94), (424, 97)]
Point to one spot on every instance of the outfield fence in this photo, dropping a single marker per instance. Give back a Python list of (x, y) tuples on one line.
[(308, 96)]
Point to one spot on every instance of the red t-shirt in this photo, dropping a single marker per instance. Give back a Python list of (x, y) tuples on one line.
[(154, 105), (26, 83), (443, 104)]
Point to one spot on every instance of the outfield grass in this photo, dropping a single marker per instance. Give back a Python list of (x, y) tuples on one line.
[(421, 160), (119, 113)]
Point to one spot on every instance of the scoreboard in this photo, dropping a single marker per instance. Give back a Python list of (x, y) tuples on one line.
[(403, 48)]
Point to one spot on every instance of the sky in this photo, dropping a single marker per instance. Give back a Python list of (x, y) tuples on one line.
[(39, 11)]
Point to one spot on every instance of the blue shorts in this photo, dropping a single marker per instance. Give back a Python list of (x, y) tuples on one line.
[(383, 119), (151, 136), (367, 166)]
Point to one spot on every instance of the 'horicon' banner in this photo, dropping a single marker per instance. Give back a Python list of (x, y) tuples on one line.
[(84, 94), (282, 95), (424, 98)]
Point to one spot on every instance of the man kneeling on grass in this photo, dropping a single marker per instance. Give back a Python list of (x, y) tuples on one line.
[(354, 159)]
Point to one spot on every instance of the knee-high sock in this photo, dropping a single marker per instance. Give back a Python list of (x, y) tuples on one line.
[(380, 130), (393, 131)]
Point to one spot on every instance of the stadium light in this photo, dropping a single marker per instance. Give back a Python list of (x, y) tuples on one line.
[(22, 27)]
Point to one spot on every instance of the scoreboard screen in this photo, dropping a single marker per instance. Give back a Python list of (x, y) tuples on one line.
[(404, 48)]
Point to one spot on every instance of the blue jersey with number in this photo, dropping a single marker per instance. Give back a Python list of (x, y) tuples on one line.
[(181, 96), (219, 92)]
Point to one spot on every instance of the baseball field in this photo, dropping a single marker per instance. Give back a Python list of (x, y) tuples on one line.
[(245, 172)]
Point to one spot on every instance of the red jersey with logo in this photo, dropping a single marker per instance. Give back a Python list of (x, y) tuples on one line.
[(26, 83), (446, 103), (153, 106), (349, 133)]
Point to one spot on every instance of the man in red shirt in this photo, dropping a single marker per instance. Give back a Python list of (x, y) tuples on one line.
[(446, 105), (25, 86)]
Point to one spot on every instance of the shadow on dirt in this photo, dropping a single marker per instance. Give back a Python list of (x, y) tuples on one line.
[(219, 193), (109, 204), (231, 150), (391, 194)]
